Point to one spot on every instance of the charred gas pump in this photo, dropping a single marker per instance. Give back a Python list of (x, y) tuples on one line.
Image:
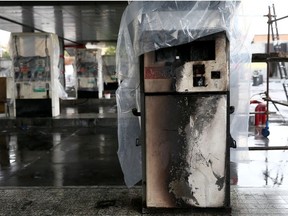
[(185, 124), (33, 76)]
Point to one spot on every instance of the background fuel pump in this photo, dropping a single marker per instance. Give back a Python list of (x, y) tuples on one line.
[(35, 74)]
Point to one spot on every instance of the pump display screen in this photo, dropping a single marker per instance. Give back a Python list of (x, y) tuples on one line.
[(31, 68), (87, 69)]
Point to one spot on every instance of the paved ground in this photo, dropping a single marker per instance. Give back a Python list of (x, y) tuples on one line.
[(118, 200)]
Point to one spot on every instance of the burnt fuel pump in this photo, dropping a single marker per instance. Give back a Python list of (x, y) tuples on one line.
[(185, 124)]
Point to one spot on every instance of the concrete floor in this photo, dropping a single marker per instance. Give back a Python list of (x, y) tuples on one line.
[(71, 167)]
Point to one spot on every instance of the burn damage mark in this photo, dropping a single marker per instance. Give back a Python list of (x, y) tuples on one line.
[(220, 181), (26, 204), (182, 192), (105, 203), (194, 115)]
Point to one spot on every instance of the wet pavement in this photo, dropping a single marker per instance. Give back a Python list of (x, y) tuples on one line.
[(77, 148), (71, 156), (71, 167), (62, 157), (268, 164)]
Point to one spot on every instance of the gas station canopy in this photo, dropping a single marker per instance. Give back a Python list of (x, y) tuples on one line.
[(76, 22)]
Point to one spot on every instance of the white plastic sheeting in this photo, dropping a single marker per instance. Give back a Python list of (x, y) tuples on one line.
[(5, 67), (148, 26)]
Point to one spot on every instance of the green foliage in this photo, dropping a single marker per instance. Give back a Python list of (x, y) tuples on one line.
[(66, 54), (6, 55), (111, 50)]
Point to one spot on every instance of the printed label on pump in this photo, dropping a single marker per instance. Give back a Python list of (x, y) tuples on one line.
[(157, 73)]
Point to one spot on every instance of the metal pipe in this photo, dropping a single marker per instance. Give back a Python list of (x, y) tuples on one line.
[(268, 64), (268, 148)]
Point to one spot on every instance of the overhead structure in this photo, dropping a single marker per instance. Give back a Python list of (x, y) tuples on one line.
[(75, 22)]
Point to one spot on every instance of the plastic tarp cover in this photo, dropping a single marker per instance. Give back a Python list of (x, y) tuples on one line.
[(148, 26), (5, 67), (34, 48), (88, 64)]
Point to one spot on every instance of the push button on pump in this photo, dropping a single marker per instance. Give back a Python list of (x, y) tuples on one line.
[(215, 75)]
